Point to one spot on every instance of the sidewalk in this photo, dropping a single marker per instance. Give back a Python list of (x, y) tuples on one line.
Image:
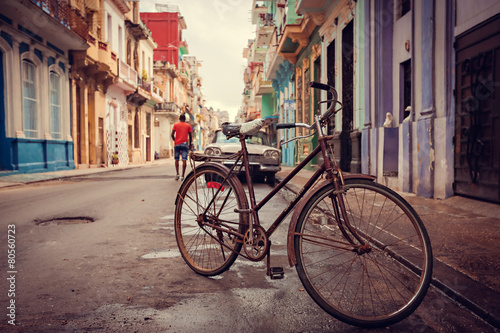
[(465, 238), (26, 178)]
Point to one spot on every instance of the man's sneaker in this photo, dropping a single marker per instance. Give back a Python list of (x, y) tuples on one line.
[(182, 179), (177, 177)]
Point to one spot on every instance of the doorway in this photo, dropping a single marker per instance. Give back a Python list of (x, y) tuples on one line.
[(477, 114)]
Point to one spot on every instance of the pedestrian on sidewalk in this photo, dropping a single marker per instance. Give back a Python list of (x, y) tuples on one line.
[(181, 134)]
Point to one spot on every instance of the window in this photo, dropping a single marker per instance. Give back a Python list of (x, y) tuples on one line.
[(120, 43), (405, 89), (144, 62), (110, 30), (55, 106), (30, 101), (404, 6)]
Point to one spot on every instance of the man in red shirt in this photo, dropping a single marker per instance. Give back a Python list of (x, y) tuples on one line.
[(181, 134)]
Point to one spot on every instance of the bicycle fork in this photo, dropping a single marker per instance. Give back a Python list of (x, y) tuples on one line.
[(342, 219)]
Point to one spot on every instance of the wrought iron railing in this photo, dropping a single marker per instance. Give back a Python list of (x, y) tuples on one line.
[(65, 14), (167, 107)]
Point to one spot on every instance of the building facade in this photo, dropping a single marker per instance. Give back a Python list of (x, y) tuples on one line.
[(176, 73), (88, 97), (417, 84), (35, 81)]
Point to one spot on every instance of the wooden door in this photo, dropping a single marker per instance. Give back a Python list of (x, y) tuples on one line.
[(477, 117)]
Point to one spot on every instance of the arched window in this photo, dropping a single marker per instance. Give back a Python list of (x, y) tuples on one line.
[(30, 101), (55, 105)]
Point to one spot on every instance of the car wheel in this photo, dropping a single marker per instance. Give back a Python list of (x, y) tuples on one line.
[(257, 178), (271, 179)]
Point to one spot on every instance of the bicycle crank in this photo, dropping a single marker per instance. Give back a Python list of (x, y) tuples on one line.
[(255, 243)]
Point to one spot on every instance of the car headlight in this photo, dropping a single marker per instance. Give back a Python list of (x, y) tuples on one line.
[(213, 151), (272, 154)]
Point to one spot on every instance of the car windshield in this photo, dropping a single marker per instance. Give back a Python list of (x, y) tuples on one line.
[(258, 138)]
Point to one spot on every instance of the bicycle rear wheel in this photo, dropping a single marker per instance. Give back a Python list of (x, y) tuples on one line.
[(384, 276), (205, 205)]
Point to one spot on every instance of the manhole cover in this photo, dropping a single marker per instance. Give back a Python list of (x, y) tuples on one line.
[(65, 220)]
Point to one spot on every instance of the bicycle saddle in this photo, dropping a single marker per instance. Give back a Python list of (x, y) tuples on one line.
[(249, 128)]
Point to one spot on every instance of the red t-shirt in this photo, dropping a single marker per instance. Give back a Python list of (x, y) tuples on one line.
[(181, 132)]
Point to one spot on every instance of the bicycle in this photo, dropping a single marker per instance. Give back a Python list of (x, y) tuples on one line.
[(360, 250)]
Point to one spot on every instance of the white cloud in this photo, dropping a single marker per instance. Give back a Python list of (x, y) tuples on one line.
[(217, 31)]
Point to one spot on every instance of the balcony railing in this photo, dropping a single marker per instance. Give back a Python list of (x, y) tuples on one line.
[(127, 73), (65, 14), (158, 93), (167, 107), (144, 85), (266, 19)]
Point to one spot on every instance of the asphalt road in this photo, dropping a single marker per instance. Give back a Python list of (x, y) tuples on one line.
[(98, 253)]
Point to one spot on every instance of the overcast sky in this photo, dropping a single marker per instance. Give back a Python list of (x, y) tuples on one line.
[(217, 31)]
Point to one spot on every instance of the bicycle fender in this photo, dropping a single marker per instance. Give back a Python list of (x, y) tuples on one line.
[(292, 260), (219, 166)]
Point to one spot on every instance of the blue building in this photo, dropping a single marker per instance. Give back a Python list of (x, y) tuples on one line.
[(35, 81), (418, 82)]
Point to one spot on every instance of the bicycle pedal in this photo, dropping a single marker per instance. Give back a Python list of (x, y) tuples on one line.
[(277, 273)]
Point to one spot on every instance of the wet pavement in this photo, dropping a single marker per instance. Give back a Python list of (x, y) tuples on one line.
[(465, 237)]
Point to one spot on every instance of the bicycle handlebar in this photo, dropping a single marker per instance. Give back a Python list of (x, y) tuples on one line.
[(331, 110), (285, 125), (321, 86), (231, 130)]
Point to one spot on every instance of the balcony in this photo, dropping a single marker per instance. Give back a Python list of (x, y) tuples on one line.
[(157, 94), (264, 87), (311, 6), (264, 34), (259, 7), (48, 21), (138, 30), (141, 95), (258, 54), (106, 57), (127, 76), (69, 17), (167, 107), (184, 76), (273, 59)]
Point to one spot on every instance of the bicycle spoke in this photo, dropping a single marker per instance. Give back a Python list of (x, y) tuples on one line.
[(376, 282), (206, 224)]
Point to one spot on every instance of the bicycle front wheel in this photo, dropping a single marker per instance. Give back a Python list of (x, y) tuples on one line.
[(206, 224), (369, 268)]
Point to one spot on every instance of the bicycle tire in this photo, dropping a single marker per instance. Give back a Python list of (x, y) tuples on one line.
[(206, 250), (375, 288)]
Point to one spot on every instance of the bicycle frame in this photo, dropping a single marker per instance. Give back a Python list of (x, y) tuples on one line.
[(326, 165), (334, 175)]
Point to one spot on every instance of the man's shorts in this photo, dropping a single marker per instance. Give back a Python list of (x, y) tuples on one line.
[(181, 149)]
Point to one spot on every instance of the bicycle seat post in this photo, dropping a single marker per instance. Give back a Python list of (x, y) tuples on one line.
[(251, 192)]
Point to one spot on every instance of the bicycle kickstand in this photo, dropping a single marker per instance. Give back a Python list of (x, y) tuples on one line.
[(273, 272)]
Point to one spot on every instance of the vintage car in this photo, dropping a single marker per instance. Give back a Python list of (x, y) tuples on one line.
[(264, 160)]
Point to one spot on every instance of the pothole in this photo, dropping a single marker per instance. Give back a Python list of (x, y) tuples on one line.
[(65, 220)]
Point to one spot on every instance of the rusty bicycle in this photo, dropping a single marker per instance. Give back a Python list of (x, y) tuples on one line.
[(360, 250)]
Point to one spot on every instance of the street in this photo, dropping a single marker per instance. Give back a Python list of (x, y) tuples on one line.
[(98, 253)]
